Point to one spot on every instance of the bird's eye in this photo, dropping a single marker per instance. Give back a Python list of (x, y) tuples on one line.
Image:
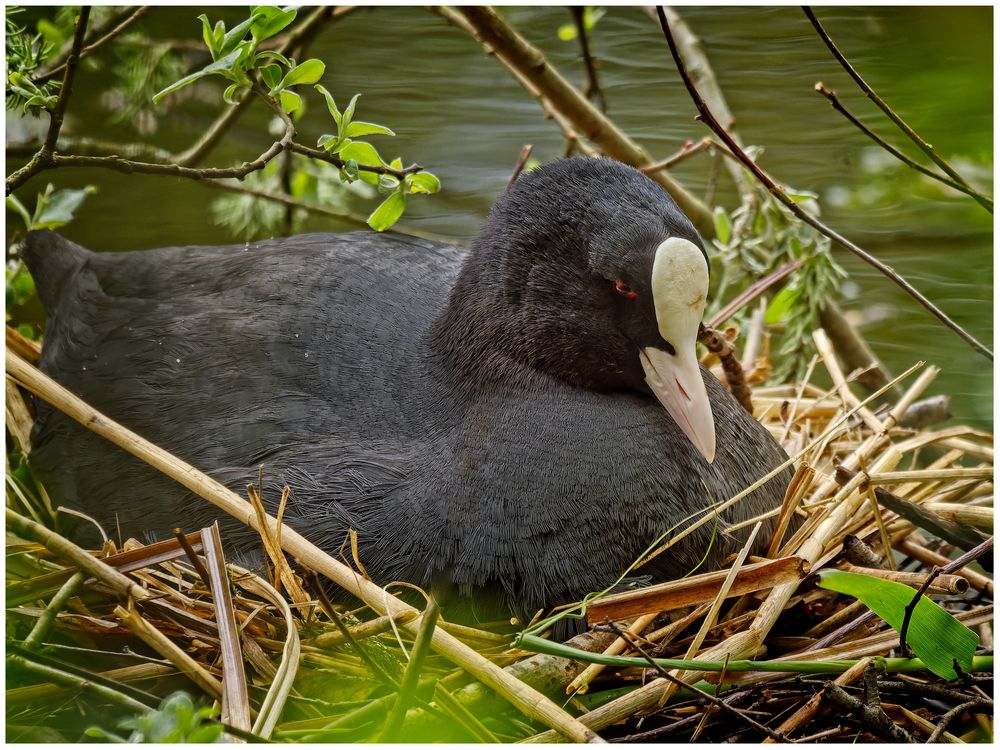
[(624, 290)]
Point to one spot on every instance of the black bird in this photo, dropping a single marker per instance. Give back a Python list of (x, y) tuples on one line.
[(486, 422)]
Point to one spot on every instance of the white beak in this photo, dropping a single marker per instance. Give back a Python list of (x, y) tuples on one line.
[(680, 288), (676, 382)]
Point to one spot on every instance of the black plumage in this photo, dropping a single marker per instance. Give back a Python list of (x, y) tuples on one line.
[(481, 420)]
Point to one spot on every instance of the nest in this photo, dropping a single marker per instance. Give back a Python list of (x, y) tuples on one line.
[(96, 636)]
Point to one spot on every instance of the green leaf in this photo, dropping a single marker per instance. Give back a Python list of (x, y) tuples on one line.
[(24, 85), (423, 182), (218, 33), (723, 228), (388, 212), (308, 72), (208, 36), (359, 127), (218, 67), (936, 637), (290, 101), (325, 139), (229, 95), (15, 205), (270, 21), (271, 75), (59, 208), (349, 110), (349, 172), (272, 54), (362, 153), (330, 104), (234, 36), (783, 302)]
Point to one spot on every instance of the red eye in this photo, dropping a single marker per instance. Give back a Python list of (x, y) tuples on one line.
[(625, 290)]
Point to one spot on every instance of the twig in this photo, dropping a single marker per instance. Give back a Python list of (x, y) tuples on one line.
[(322, 155), (408, 687), (119, 164), (904, 647), (593, 89), (708, 118), (193, 557), (55, 606), (134, 17), (831, 96), (872, 716), (519, 167), (713, 700), (42, 160), (686, 152), (808, 710), (942, 725), (692, 50), (890, 113)]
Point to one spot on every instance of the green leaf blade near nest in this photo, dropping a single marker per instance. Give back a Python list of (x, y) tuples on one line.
[(934, 634)]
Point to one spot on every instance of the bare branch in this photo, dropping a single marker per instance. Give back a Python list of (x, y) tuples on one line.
[(835, 102), (593, 90), (705, 114), (686, 152), (899, 122), (519, 167), (43, 159)]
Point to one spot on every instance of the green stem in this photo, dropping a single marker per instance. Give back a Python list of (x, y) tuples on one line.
[(830, 666)]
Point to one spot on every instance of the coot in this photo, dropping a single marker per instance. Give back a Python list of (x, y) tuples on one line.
[(488, 423)]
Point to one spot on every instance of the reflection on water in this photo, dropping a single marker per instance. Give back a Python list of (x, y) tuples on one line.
[(460, 113)]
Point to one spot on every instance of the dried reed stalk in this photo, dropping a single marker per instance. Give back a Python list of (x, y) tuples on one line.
[(527, 700)]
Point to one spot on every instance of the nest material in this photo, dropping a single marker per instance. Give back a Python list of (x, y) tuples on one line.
[(75, 648)]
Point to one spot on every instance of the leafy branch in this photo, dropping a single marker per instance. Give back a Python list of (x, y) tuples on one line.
[(252, 72), (705, 114), (57, 110)]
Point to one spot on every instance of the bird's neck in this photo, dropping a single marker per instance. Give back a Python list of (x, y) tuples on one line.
[(492, 333)]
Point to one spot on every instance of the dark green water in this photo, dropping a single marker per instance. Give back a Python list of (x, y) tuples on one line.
[(460, 113)]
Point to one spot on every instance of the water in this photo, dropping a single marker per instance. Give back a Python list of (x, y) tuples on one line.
[(461, 114)]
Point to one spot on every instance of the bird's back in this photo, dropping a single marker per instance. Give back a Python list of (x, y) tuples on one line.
[(225, 355)]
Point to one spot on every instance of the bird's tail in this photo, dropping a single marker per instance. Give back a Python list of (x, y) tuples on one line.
[(53, 261)]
